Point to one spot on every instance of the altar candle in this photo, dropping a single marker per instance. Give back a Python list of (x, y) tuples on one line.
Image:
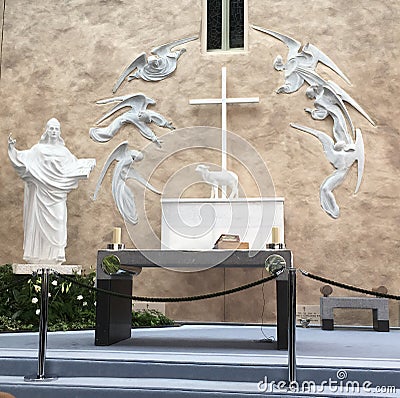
[(275, 235), (116, 236)]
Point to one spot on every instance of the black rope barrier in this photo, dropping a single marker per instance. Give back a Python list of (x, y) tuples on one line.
[(169, 299), (349, 287)]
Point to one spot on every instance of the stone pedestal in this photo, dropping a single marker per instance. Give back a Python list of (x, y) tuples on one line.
[(378, 305), (66, 269), (196, 224)]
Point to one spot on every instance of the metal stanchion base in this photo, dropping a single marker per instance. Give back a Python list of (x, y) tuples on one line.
[(39, 378)]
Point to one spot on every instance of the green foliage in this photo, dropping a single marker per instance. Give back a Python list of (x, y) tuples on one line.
[(12, 325), (150, 318), (71, 307)]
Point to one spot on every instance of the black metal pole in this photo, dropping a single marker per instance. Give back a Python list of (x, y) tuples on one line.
[(43, 322), (44, 312), (292, 329)]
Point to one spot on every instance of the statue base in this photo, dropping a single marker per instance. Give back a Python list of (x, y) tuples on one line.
[(66, 269)]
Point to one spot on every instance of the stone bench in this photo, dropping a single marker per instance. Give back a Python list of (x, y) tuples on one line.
[(379, 307)]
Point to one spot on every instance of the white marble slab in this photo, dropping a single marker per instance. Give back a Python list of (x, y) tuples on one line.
[(196, 224), (65, 269)]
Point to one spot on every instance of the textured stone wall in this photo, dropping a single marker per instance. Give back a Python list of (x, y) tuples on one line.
[(58, 58)]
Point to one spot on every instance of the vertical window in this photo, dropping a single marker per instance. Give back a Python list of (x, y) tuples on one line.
[(225, 24), (236, 24), (214, 24)]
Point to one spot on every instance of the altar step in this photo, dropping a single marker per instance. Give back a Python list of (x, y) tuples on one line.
[(67, 369), (150, 379), (197, 362), (97, 387)]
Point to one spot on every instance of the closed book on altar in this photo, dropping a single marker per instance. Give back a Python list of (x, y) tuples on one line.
[(232, 245), (231, 242)]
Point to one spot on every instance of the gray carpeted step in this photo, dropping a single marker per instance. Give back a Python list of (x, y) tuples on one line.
[(72, 368), (85, 387)]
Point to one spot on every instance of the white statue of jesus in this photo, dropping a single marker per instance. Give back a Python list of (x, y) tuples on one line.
[(50, 172)]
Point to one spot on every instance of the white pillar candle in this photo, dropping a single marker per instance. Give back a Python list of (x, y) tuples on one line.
[(116, 236), (275, 235)]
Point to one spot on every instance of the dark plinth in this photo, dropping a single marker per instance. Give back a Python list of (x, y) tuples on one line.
[(113, 314), (327, 324), (378, 324)]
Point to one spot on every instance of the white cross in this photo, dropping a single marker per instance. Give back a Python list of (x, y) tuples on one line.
[(224, 101)]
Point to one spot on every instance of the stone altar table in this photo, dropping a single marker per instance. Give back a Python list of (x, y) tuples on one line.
[(114, 314)]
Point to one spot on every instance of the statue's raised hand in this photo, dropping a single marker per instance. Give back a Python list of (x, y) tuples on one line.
[(11, 141)]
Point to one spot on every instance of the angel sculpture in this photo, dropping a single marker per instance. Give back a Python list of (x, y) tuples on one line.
[(342, 156), (326, 105), (138, 115), (330, 99), (123, 171), (308, 58), (156, 67)]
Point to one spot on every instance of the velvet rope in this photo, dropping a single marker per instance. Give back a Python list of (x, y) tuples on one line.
[(348, 287), (169, 299)]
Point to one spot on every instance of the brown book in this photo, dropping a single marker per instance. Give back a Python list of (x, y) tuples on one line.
[(230, 242), (232, 245)]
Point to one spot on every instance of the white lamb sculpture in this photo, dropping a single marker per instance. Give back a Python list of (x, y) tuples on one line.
[(219, 179)]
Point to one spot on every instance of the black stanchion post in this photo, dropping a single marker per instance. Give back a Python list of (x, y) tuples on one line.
[(44, 308), (292, 329)]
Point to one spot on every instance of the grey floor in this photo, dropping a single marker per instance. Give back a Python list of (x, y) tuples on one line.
[(219, 344), (361, 352)]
